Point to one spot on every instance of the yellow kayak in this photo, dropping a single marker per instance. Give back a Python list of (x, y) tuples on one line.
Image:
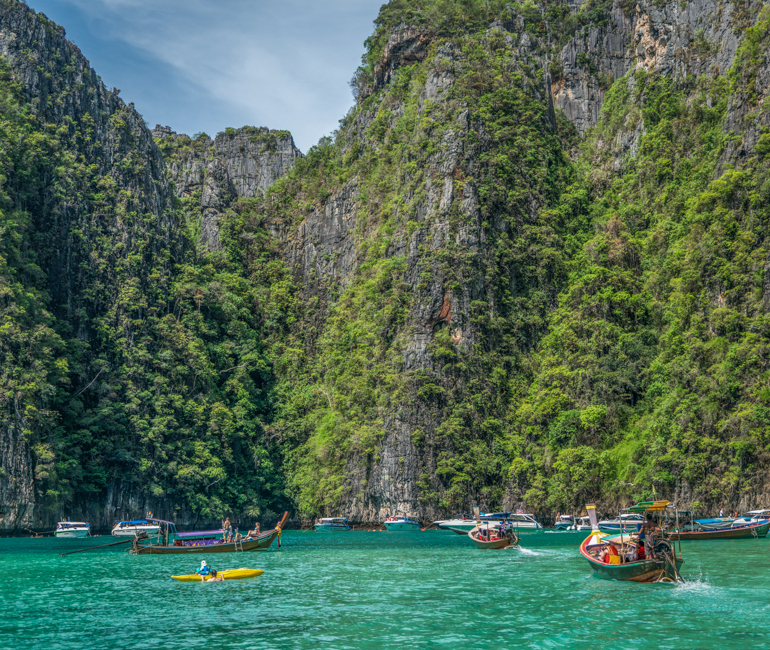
[(229, 574)]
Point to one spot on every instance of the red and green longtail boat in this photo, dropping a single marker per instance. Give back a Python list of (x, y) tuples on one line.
[(615, 557)]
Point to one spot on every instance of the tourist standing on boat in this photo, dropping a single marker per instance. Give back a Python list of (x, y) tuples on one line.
[(721, 512), (647, 534)]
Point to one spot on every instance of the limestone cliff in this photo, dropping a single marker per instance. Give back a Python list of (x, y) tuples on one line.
[(240, 163), (64, 91), (424, 438)]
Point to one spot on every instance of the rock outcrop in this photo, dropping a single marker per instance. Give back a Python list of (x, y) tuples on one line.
[(64, 91), (238, 163), (677, 39)]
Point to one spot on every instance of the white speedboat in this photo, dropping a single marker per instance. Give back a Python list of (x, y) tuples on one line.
[(401, 522), (581, 523), (713, 524), (72, 529), (134, 527), (463, 524), (331, 525), (564, 522), (750, 518), (630, 523)]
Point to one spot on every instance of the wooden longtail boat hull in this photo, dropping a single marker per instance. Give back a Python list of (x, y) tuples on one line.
[(505, 542), (260, 543), (640, 571), (743, 532)]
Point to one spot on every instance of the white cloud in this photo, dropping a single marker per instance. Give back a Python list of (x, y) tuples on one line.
[(279, 64)]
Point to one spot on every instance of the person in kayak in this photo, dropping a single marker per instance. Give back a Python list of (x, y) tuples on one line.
[(204, 571)]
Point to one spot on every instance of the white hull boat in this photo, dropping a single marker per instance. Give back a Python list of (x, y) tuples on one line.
[(68, 529), (462, 525), (630, 523), (135, 528), (332, 525), (402, 523)]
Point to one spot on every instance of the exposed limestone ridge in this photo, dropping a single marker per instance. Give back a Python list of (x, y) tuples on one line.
[(679, 39), (59, 84), (238, 163), (96, 125)]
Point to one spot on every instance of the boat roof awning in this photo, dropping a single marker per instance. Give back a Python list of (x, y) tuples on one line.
[(649, 506), (199, 533)]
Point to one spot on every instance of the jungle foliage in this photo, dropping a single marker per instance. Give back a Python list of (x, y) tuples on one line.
[(614, 301)]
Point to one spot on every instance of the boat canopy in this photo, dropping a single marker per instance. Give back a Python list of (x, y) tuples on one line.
[(134, 522), (650, 506), (73, 523), (334, 520), (200, 533)]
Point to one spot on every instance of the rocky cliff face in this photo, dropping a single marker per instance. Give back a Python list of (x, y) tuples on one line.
[(240, 163), (444, 210), (418, 353), (674, 39), (63, 91)]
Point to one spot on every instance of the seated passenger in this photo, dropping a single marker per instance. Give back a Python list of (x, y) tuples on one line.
[(204, 571)]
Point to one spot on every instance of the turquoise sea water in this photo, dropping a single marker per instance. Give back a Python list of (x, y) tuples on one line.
[(364, 590)]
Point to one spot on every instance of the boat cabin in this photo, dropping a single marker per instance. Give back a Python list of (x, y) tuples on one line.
[(331, 524), (66, 525)]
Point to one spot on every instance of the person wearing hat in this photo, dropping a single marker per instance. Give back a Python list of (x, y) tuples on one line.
[(203, 571)]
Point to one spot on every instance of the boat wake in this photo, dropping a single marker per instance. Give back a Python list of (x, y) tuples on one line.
[(527, 551), (695, 584)]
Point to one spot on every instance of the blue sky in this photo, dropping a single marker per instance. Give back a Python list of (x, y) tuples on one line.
[(203, 65)]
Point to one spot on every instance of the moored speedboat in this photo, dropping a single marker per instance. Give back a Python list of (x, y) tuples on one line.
[(564, 522), (73, 529), (628, 522), (135, 527), (463, 524), (402, 522), (623, 557), (750, 518), (331, 525), (582, 523)]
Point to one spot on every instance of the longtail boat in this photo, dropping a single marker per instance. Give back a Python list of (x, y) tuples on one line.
[(490, 536), (739, 532), (620, 557), (204, 543)]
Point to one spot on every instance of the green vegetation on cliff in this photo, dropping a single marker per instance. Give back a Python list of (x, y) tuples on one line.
[(507, 312)]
